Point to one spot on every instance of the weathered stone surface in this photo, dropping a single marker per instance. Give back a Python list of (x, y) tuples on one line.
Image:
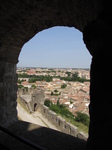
[(8, 94), (61, 123), (21, 20), (97, 37)]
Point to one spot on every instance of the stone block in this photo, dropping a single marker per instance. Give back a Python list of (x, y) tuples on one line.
[(1, 71), (82, 135), (9, 79), (9, 68), (52, 116), (45, 110), (60, 122), (73, 130), (3, 96), (66, 128)]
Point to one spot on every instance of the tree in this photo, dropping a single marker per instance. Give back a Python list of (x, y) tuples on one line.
[(34, 86), (20, 86), (56, 91), (52, 93), (83, 118), (58, 102), (68, 73), (63, 86), (75, 75), (19, 81), (47, 103)]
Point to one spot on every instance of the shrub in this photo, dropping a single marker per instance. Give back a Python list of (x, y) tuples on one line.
[(63, 86), (83, 118), (47, 103), (61, 109), (56, 91), (55, 108), (33, 86), (20, 86), (52, 93)]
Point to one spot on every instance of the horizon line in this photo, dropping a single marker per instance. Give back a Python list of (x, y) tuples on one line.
[(55, 67)]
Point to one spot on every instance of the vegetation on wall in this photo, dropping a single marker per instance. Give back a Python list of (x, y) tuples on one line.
[(83, 118), (80, 120)]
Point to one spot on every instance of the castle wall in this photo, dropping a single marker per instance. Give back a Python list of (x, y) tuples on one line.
[(24, 104), (34, 96), (8, 90), (61, 123), (58, 121)]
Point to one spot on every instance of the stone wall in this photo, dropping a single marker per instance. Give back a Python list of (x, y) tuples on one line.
[(60, 123), (24, 104), (35, 96), (23, 91), (8, 93)]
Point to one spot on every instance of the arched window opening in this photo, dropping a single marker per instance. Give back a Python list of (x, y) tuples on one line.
[(55, 64), (57, 47)]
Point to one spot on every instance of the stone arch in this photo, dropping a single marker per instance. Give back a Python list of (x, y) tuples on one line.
[(20, 23), (59, 32), (25, 19), (35, 106), (21, 20)]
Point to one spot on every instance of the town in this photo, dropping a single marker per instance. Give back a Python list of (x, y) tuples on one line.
[(73, 94)]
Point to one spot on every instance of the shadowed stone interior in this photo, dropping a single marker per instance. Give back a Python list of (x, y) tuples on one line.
[(20, 20)]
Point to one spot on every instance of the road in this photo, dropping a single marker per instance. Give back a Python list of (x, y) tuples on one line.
[(35, 118)]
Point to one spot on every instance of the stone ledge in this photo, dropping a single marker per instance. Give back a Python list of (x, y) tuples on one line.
[(48, 138)]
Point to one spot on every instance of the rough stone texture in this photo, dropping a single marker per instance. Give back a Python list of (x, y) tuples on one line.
[(20, 20), (60, 123), (30, 100), (97, 36), (8, 96), (36, 97)]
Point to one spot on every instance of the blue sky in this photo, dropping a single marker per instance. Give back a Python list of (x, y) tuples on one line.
[(57, 47)]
